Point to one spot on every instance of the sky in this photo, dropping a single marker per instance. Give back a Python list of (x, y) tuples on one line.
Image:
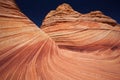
[(36, 10)]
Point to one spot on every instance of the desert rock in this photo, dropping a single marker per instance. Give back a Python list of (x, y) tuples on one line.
[(92, 40), (69, 48), (65, 13)]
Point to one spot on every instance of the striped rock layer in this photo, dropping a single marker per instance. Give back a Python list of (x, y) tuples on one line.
[(67, 48)]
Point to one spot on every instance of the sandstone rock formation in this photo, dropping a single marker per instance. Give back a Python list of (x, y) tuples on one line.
[(91, 42), (67, 48), (68, 27), (21, 45), (65, 13)]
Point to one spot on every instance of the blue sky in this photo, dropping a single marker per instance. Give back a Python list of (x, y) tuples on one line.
[(36, 10)]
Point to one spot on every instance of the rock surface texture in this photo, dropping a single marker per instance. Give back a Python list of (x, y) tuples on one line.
[(70, 45)]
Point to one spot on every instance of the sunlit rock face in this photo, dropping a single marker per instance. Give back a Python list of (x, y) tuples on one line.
[(65, 13), (22, 45), (71, 29), (89, 43), (67, 48)]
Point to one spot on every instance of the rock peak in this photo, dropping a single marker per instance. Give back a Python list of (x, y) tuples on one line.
[(65, 13), (96, 12), (64, 7)]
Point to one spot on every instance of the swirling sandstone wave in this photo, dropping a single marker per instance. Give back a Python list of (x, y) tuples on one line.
[(91, 42), (85, 50)]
